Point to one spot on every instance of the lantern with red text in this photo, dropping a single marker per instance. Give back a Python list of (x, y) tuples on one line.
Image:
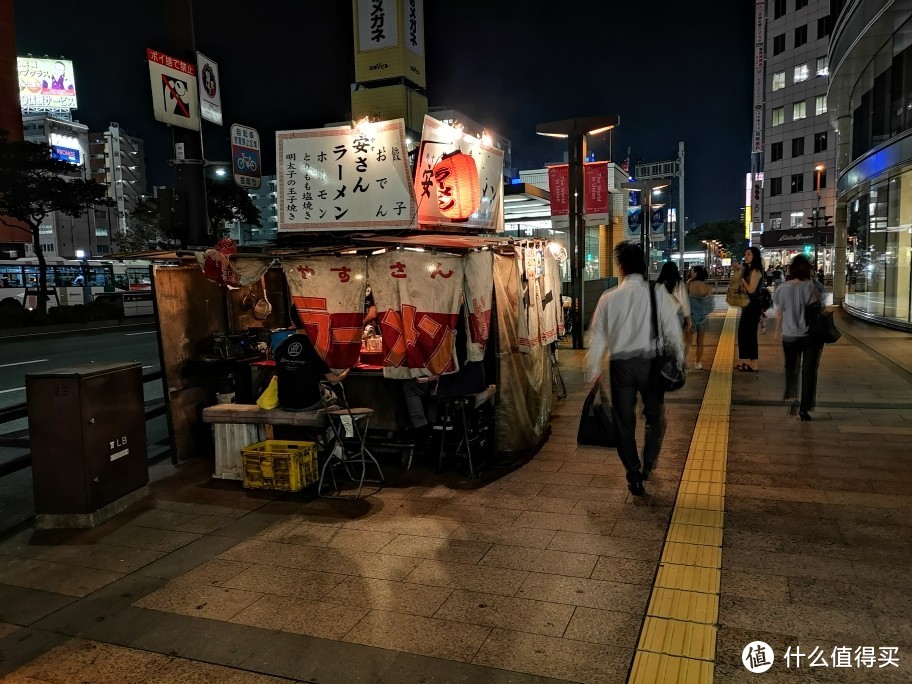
[(458, 194)]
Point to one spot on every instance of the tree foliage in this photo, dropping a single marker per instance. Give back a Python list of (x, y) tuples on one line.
[(227, 202), (34, 185), (145, 230), (729, 233)]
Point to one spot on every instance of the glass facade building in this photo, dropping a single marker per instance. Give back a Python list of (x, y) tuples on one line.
[(870, 101)]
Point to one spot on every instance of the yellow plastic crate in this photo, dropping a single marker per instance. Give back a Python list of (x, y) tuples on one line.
[(280, 465)]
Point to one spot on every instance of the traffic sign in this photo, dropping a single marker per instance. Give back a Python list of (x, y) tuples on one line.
[(246, 160)]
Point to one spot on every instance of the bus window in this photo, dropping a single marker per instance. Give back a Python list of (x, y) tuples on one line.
[(10, 276)]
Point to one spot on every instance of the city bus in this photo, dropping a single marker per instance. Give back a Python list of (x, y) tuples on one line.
[(71, 281)]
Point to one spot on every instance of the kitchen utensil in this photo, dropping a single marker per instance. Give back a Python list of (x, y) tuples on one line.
[(262, 308)]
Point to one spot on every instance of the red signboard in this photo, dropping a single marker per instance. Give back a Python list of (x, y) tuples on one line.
[(595, 182), (559, 187)]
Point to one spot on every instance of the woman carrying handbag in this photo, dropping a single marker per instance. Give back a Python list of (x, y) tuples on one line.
[(751, 278)]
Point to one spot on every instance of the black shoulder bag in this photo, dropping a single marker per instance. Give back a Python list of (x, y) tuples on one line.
[(665, 372), (596, 426)]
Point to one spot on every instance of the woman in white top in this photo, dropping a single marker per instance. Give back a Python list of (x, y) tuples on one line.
[(671, 278)]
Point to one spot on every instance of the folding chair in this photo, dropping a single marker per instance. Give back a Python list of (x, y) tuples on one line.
[(347, 437)]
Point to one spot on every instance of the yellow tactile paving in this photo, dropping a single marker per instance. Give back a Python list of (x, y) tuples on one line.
[(678, 639), (655, 667)]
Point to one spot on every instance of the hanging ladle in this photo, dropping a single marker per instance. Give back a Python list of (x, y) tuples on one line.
[(263, 308)]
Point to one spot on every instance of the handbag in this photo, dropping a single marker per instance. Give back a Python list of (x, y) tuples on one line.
[(596, 426), (269, 399), (823, 328), (666, 374), (737, 295)]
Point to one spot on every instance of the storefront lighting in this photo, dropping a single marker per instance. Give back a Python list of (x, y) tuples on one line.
[(458, 193), (486, 140)]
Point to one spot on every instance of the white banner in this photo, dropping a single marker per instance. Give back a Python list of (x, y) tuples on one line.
[(210, 89), (479, 294), (417, 296), (344, 178), (377, 25), (174, 94), (413, 23), (437, 139), (328, 294)]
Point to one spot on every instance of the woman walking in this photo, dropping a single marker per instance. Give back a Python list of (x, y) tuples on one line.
[(671, 278), (701, 303), (802, 352), (751, 278)]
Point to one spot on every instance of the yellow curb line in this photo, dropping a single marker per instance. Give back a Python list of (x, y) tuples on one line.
[(678, 639)]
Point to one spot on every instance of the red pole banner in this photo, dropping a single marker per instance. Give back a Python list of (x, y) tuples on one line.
[(595, 177), (559, 187)]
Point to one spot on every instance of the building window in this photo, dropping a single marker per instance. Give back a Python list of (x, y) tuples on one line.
[(776, 151), (778, 81), (102, 249), (101, 231), (775, 187), (823, 27), (46, 229), (778, 116), (823, 68), (820, 141), (799, 110), (47, 247), (801, 73), (778, 44), (778, 9), (821, 106), (797, 219), (800, 4), (797, 182), (797, 146), (821, 179), (801, 35), (776, 219)]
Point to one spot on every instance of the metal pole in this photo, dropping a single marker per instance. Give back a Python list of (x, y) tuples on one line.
[(576, 152), (681, 225)]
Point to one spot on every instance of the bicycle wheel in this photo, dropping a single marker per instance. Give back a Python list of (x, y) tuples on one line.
[(557, 380)]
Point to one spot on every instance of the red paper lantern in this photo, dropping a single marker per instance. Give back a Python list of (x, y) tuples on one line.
[(458, 194)]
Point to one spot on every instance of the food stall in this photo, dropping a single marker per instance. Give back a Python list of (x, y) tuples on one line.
[(447, 298)]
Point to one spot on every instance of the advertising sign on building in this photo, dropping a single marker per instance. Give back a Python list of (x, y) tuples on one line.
[(759, 67), (413, 21), (46, 84), (438, 139), (174, 94), (65, 154), (378, 25), (210, 89), (344, 178), (559, 187), (595, 199), (389, 40), (246, 161)]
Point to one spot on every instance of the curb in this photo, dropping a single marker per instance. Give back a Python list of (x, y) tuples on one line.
[(63, 330)]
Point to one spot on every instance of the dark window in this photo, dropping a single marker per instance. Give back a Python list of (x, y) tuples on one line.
[(776, 151), (778, 44), (778, 9), (823, 27), (801, 35), (820, 141), (822, 179), (797, 146), (775, 186), (800, 3), (797, 182)]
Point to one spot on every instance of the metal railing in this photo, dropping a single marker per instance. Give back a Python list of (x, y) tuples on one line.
[(153, 409)]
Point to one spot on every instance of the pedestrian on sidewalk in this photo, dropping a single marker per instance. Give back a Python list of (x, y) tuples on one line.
[(671, 278), (751, 277), (622, 328), (701, 303), (801, 350)]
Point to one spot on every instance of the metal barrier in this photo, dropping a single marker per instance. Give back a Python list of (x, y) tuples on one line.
[(154, 409)]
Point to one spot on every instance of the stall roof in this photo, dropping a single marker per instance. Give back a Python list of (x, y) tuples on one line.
[(440, 241)]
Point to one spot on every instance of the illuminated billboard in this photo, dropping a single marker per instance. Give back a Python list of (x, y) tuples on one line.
[(46, 84)]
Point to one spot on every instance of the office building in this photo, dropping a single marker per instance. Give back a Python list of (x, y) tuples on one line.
[(118, 161)]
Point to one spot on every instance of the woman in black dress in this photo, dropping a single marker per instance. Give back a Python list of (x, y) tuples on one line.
[(751, 279)]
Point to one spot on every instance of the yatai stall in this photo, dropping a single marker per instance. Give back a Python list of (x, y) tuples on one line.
[(452, 298)]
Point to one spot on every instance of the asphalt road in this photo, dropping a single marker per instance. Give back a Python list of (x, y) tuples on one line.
[(19, 356)]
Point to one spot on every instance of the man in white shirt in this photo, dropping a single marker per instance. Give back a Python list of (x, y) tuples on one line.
[(622, 328)]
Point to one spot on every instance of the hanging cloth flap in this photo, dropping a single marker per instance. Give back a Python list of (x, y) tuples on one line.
[(550, 299), (479, 290), (529, 300), (250, 269), (417, 295), (216, 265), (328, 294)]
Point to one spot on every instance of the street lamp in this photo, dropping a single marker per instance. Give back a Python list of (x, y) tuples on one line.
[(646, 189), (575, 132)]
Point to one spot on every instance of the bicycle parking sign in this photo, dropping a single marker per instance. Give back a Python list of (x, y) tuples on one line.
[(246, 161)]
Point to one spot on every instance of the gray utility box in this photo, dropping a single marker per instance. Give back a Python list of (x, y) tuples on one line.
[(87, 432)]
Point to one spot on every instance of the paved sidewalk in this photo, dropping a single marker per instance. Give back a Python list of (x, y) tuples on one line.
[(543, 573)]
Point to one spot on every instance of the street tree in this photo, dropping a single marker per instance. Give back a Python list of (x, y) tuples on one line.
[(227, 202), (34, 185), (729, 233), (145, 230)]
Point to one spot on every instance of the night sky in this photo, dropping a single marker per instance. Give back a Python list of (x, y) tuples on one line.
[(672, 70)]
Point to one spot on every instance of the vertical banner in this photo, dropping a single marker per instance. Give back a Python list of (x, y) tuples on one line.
[(417, 296), (328, 294), (479, 293), (759, 70), (413, 25), (377, 25), (595, 200), (209, 89), (559, 187), (657, 227), (634, 222)]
